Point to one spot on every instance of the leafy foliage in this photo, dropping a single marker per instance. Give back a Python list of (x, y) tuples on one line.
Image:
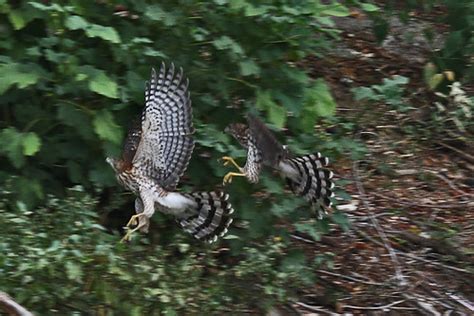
[(65, 262), (72, 79)]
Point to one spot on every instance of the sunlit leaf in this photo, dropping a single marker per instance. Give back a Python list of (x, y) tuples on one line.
[(105, 32), (104, 85), (31, 144), (105, 126)]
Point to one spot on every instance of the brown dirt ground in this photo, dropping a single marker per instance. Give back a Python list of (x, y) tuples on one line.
[(419, 193)]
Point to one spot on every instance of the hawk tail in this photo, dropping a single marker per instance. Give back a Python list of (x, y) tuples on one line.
[(313, 181), (212, 217)]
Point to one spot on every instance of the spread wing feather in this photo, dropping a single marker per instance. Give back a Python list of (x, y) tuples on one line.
[(166, 143)]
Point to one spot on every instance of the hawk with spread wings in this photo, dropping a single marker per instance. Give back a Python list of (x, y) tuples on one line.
[(156, 153), (306, 175)]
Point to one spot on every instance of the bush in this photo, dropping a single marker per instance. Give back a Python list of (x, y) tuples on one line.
[(71, 81)]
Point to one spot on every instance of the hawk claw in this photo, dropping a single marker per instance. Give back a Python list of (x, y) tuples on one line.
[(229, 160), (228, 177), (133, 221)]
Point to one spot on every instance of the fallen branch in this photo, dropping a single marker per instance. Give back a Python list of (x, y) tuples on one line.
[(8, 305), (374, 307), (409, 255), (411, 204), (461, 153), (439, 246), (347, 277), (315, 308), (378, 228)]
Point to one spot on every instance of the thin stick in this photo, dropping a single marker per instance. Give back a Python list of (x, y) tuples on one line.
[(374, 307), (449, 182), (11, 307), (410, 204), (347, 277), (314, 308), (381, 233)]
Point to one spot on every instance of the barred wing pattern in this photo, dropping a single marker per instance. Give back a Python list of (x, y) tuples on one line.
[(166, 143)]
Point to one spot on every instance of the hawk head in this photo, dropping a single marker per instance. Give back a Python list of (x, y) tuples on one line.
[(239, 131), (115, 163)]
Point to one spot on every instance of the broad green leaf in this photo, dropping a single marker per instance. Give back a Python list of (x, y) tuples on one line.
[(249, 67), (369, 7), (17, 20), (156, 13), (105, 32), (277, 115), (318, 99), (102, 84), (264, 100), (73, 271), (31, 144), (225, 42), (251, 10), (11, 146), (105, 126), (11, 74), (76, 22), (335, 9)]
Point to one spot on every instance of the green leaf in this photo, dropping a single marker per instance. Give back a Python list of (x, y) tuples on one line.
[(17, 20), (105, 32), (225, 42), (11, 146), (73, 271), (369, 7), (335, 9), (249, 67), (31, 144), (76, 22), (105, 126), (103, 85), (156, 13), (277, 115), (318, 102), (13, 73)]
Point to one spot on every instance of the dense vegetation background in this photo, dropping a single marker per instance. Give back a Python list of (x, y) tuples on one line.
[(71, 82)]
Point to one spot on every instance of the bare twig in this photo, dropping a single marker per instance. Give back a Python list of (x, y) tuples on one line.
[(11, 307), (375, 307), (350, 278), (449, 182), (315, 308), (381, 233), (461, 153), (423, 305), (410, 204)]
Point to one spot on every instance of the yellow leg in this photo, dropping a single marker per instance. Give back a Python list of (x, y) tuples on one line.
[(228, 160), (228, 177), (133, 220)]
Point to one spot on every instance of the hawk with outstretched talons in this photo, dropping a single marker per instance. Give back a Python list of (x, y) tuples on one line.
[(156, 153), (306, 175)]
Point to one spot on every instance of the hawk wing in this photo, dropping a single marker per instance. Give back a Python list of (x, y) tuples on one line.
[(166, 142), (268, 146)]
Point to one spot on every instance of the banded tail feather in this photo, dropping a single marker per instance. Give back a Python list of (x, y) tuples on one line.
[(313, 181), (212, 218)]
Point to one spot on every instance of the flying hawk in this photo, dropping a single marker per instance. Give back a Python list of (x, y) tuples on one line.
[(156, 153), (306, 175)]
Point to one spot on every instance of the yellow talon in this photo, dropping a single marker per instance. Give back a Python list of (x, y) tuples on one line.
[(229, 160), (133, 221), (228, 177)]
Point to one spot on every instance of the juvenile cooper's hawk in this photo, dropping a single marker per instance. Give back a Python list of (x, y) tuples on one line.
[(306, 175), (157, 152)]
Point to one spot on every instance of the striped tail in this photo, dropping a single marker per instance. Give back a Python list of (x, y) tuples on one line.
[(212, 217), (313, 181)]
